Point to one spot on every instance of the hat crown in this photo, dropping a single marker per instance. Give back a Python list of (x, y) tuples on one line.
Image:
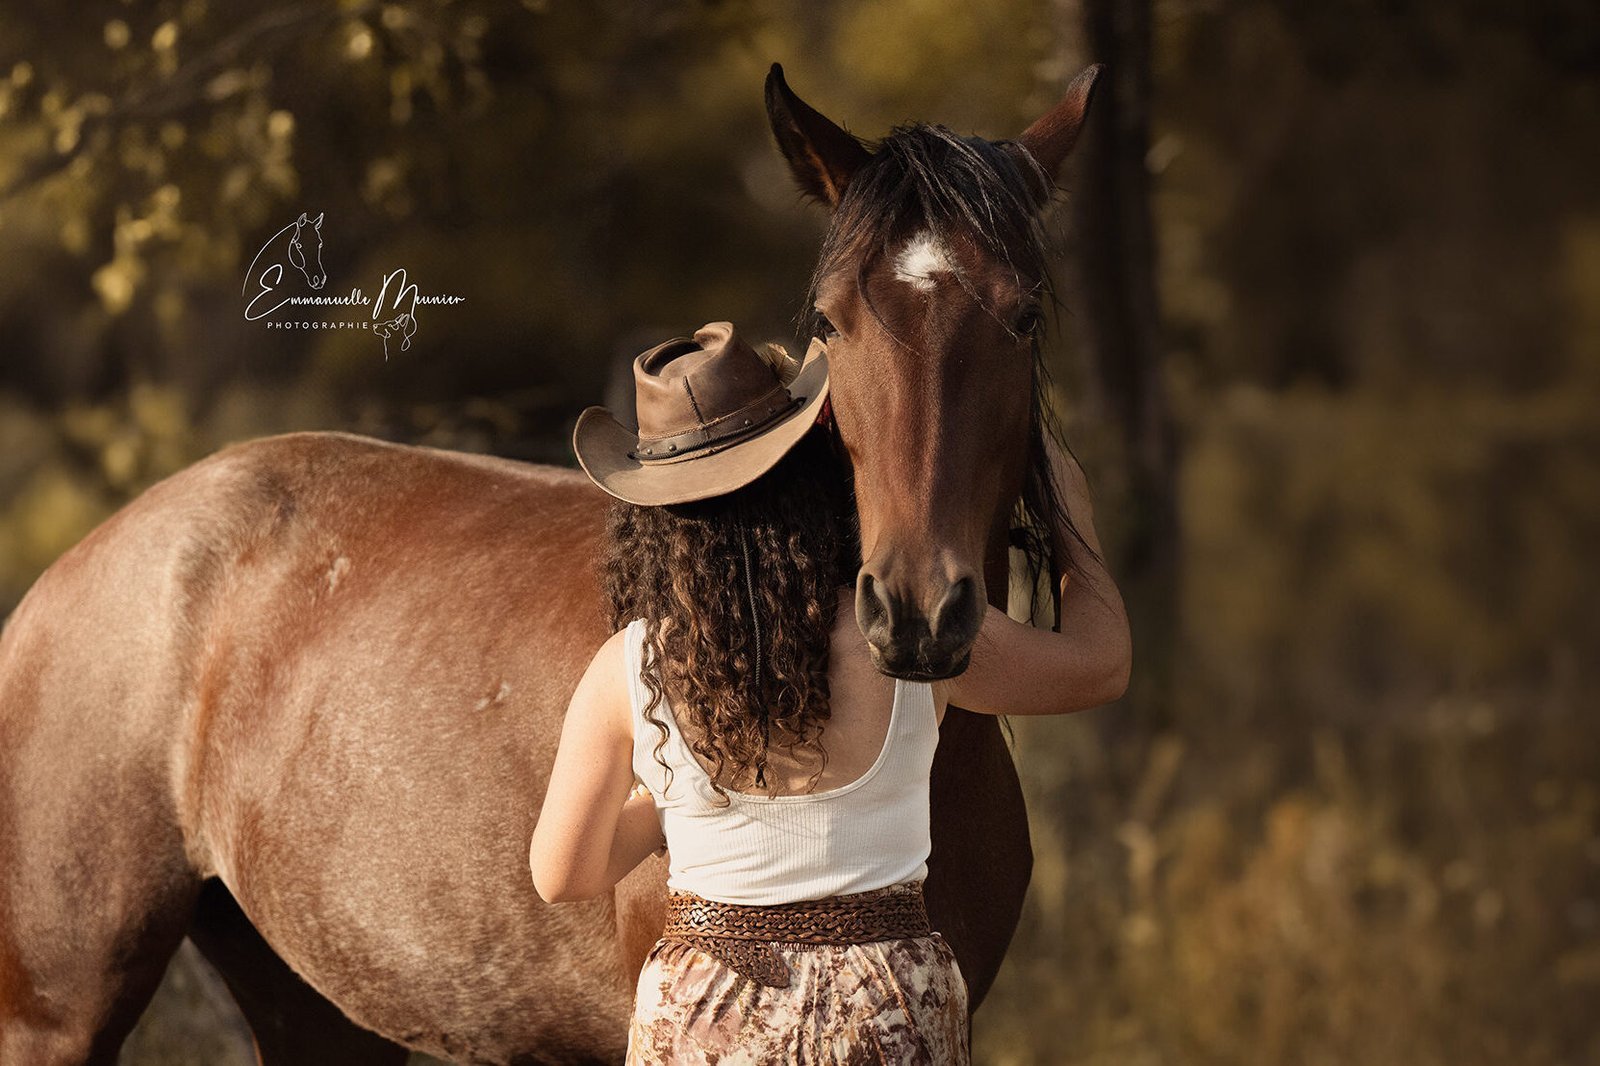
[(692, 392), (712, 416)]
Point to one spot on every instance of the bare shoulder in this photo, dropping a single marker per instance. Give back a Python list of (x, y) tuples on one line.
[(848, 656), (612, 655), (602, 692)]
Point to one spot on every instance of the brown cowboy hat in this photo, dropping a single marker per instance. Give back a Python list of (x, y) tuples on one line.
[(714, 415)]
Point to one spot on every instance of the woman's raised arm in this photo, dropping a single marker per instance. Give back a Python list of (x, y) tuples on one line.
[(1018, 669)]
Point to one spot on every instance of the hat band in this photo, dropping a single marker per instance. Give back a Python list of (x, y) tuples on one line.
[(747, 421)]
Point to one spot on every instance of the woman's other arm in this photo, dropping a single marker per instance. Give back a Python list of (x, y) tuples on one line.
[(590, 831), (1018, 669)]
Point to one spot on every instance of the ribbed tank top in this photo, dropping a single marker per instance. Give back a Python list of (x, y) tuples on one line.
[(757, 849)]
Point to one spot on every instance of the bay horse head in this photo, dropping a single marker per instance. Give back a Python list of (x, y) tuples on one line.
[(930, 290), (305, 250)]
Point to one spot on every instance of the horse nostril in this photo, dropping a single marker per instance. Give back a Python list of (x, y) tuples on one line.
[(957, 609), (874, 613)]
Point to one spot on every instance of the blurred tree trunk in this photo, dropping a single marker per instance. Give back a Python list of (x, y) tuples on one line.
[(1111, 256)]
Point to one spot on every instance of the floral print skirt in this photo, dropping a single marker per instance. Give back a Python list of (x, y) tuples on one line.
[(893, 1001)]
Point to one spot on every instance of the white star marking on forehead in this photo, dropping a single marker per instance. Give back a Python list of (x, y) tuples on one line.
[(922, 257)]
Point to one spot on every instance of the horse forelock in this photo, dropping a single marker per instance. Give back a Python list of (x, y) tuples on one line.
[(924, 179)]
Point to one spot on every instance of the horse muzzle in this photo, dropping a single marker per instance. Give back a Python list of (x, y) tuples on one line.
[(916, 642)]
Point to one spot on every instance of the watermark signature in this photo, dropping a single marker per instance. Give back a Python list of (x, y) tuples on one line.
[(286, 279)]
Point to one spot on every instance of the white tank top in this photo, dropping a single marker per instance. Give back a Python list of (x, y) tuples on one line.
[(868, 834)]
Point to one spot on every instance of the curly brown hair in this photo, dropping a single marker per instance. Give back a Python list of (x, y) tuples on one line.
[(738, 679)]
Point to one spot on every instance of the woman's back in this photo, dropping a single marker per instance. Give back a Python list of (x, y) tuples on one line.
[(860, 701), (862, 824)]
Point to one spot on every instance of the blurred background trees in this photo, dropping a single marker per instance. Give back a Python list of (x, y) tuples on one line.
[(1351, 812)]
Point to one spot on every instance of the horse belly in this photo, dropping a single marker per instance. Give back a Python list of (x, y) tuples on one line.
[(374, 724), (378, 841)]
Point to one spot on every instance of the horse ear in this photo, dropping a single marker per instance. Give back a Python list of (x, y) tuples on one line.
[(302, 219), (317, 223), (1054, 133), (821, 155)]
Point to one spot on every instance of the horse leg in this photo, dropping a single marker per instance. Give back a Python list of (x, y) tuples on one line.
[(95, 891), (73, 982), (982, 861), (98, 877), (641, 900), (291, 1021)]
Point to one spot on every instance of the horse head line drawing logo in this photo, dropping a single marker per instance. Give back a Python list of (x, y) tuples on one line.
[(308, 234)]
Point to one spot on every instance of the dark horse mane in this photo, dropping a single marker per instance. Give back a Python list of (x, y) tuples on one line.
[(926, 175)]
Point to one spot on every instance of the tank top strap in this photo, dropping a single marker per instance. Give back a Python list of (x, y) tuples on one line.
[(913, 735), (633, 655), (918, 715), (646, 734)]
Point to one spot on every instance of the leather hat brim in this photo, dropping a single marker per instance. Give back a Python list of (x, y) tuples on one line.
[(602, 445)]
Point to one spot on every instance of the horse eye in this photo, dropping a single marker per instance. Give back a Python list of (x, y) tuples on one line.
[(825, 327), (1029, 321)]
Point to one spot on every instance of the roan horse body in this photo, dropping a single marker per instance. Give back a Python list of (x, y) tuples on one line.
[(299, 700)]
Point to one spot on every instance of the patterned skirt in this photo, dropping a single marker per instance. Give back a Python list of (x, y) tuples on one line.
[(889, 1001)]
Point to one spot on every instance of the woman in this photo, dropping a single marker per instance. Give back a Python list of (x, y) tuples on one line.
[(787, 779)]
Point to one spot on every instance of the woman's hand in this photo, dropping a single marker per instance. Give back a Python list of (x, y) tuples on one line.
[(638, 833), (591, 832)]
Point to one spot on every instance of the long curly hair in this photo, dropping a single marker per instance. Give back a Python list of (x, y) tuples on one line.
[(740, 681)]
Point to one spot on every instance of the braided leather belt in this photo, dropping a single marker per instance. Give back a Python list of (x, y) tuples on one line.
[(745, 937)]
